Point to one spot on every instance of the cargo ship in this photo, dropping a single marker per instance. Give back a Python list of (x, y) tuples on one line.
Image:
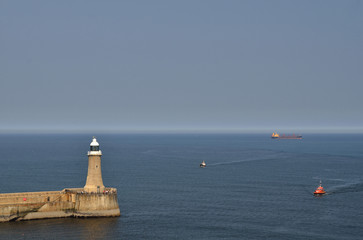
[(283, 136)]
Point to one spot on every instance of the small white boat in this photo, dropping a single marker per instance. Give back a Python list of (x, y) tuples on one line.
[(202, 165)]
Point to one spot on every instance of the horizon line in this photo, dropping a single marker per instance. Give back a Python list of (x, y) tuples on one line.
[(252, 130)]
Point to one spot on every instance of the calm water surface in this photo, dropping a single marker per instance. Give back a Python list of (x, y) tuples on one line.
[(254, 187)]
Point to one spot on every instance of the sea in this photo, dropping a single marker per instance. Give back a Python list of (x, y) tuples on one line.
[(253, 187)]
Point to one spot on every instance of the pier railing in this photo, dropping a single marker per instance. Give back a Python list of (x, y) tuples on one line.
[(47, 196), (82, 191)]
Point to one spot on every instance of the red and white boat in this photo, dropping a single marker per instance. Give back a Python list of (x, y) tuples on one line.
[(319, 190)]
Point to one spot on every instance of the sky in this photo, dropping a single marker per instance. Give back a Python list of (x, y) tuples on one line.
[(191, 65)]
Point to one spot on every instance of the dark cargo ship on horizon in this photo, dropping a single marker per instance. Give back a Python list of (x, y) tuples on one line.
[(283, 136)]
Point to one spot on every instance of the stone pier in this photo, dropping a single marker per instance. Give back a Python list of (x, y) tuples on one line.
[(94, 200)]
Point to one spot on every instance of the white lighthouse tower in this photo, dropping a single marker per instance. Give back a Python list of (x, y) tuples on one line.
[(94, 181)]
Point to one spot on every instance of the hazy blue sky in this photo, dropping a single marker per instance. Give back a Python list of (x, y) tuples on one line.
[(161, 65)]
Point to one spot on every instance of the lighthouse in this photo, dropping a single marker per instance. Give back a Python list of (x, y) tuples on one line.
[(94, 181)]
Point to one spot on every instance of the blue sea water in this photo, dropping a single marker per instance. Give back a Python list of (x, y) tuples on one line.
[(253, 187)]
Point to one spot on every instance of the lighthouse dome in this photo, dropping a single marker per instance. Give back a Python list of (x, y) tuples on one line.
[(94, 147), (94, 142)]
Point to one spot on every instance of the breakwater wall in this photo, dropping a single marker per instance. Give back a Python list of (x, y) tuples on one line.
[(70, 202)]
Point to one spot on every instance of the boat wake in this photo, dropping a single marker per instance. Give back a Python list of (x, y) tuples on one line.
[(241, 161), (346, 188)]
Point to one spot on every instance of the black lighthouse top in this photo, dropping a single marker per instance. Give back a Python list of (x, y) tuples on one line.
[(94, 146)]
